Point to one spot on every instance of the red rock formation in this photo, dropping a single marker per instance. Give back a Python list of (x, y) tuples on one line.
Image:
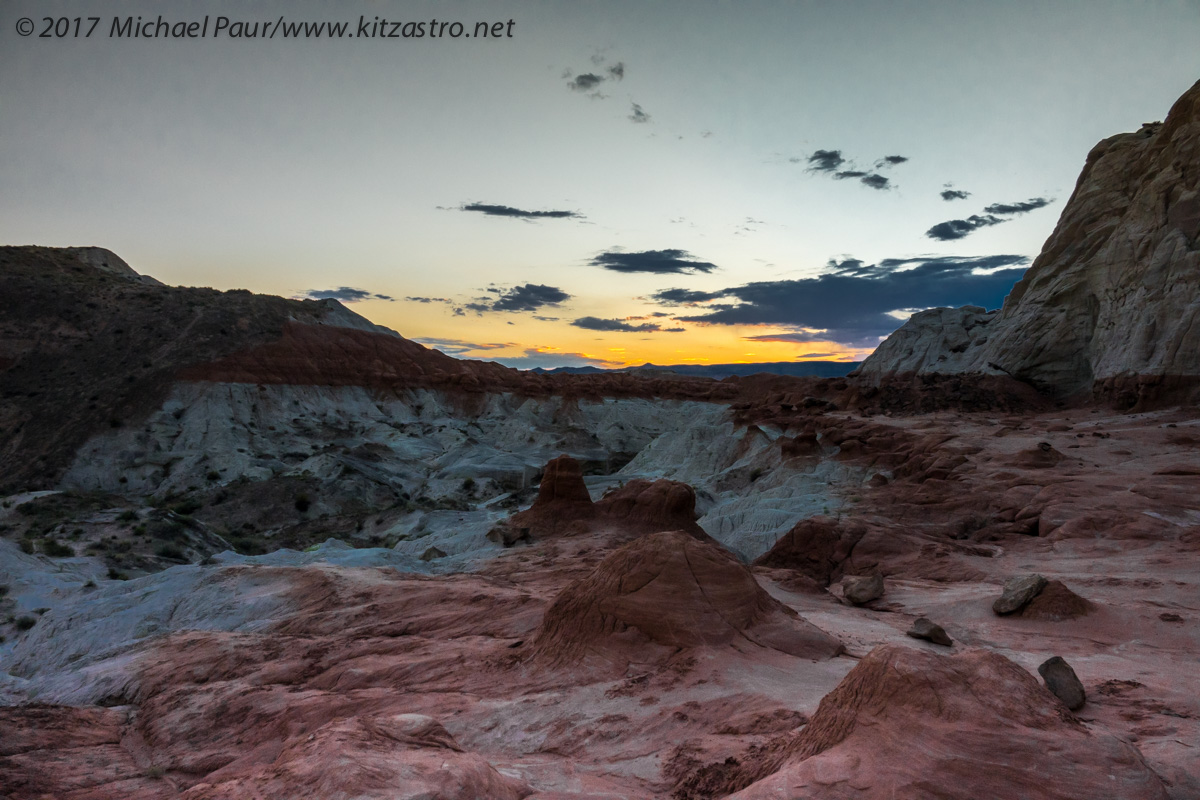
[(643, 506), (814, 547), (562, 501), (908, 723), (663, 592)]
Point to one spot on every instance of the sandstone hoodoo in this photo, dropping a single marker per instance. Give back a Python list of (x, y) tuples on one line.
[(1109, 306), (562, 500), (663, 592), (649, 506)]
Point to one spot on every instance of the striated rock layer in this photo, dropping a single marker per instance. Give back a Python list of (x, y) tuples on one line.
[(1110, 305), (667, 591), (905, 723)]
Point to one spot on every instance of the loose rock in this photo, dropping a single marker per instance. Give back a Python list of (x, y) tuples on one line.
[(1062, 682), (860, 589), (924, 628), (1018, 591)]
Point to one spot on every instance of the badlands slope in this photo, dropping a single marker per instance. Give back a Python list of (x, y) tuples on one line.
[(261, 548)]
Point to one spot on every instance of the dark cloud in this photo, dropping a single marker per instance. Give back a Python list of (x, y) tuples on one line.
[(597, 324), (825, 161), (679, 297), (427, 299), (655, 261), (831, 162), (585, 82), (876, 181), (529, 297), (819, 355), (617, 71), (638, 115), (509, 211), (958, 228), (955, 194), (850, 303), (1018, 208), (455, 347), (344, 294)]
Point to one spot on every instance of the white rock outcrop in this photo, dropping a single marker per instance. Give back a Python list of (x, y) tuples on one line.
[(1111, 304)]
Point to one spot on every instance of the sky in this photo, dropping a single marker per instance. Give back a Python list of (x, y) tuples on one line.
[(602, 183)]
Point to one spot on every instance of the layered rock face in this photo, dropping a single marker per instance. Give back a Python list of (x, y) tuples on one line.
[(1111, 302)]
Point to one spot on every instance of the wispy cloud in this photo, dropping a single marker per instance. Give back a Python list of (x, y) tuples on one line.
[(457, 347), (343, 294), (958, 228), (529, 297), (652, 261), (622, 326), (509, 211)]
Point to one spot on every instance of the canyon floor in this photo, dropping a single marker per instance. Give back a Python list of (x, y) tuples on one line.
[(597, 658)]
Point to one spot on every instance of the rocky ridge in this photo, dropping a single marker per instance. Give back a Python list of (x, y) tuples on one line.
[(1110, 305)]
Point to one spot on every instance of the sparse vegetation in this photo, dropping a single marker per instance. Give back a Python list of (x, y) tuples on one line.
[(171, 552), (56, 549), (25, 622)]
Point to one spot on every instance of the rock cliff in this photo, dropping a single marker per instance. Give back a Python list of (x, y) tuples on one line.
[(1110, 305)]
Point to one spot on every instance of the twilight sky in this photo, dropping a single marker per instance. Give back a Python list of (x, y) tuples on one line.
[(616, 183)]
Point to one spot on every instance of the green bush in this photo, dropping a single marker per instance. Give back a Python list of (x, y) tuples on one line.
[(25, 623)]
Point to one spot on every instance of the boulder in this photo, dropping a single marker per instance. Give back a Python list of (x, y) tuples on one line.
[(860, 589), (1063, 683), (923, 628), (1018, 591)]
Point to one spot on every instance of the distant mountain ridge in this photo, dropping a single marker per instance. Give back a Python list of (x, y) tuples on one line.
[(798, 369)]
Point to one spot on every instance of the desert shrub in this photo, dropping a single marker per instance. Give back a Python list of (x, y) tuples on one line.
[(213, 475), (172, 552), (56, 549), (27, 546), (128, 515), (25, 623), (187, 507), (468, 484), (114, 575)]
